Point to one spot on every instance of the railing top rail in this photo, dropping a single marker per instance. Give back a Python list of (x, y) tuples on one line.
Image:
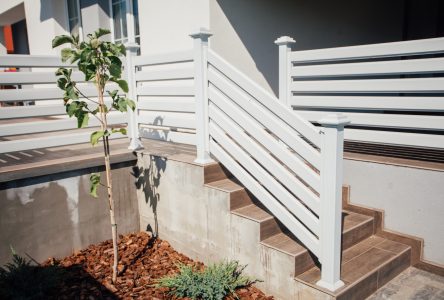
[(24, 61), (394, 49)]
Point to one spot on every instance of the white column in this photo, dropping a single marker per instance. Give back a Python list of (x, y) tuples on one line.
[(330, 218), (133, 125), (131, 31), (285, 43), (201, 94)]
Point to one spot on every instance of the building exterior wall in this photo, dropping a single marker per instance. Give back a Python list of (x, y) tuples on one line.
[(412, 199), (245, 31), (165, 26), (54, 215)]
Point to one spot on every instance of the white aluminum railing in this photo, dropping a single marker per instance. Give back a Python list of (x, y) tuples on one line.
[(393, 93), (291, 166)]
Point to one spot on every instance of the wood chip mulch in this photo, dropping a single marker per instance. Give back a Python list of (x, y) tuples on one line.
[(87, 273)]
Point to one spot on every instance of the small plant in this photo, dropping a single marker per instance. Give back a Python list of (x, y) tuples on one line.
[(213, 283), (100, 62), (21, 279)]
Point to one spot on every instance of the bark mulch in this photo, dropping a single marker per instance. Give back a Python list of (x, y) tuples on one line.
[(87, 273)]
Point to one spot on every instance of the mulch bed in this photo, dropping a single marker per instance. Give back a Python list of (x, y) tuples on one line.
[(87, 273)]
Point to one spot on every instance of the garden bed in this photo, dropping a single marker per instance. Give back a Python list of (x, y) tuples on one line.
[(87, 273)]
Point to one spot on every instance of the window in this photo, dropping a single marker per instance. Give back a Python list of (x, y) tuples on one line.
[(119, 21), (74, 19)]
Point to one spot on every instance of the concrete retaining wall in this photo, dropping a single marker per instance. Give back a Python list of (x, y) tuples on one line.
[(54, 215)]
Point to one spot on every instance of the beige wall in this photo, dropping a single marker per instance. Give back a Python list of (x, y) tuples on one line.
[(165, 25), (55, 215), (413, 200)]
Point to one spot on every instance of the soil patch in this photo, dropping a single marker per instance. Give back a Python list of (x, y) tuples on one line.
[(87, 273)]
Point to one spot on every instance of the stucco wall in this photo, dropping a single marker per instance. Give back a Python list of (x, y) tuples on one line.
[(165, 26), (55, 215), (245, 31), (413, 200)]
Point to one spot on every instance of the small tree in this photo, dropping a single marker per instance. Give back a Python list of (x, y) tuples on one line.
[(100, 62)]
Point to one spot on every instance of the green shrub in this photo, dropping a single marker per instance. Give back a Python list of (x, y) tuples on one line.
[(213, 283), (23, 280)]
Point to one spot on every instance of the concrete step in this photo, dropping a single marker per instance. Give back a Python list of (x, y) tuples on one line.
[(365, 267)]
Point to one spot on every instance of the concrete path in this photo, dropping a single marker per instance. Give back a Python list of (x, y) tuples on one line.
[(412, 284)]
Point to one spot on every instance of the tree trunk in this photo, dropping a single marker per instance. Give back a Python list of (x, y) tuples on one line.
[(106, 150)]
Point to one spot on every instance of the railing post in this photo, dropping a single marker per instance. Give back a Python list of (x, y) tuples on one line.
[(201, 94), (285, 43), (133, 126), (332, 148)]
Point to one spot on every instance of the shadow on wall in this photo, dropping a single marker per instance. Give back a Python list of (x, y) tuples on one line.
[(156, 134), (313, 24), (148, 180)]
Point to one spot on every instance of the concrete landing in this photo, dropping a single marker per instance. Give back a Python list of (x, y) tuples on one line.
[(412, 284)]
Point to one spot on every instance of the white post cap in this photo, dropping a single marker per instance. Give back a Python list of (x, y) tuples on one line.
[(201, 33), (132, 47), (284, 40), (334, 120)]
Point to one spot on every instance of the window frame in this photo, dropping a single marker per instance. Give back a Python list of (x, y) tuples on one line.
[(79, 16), (133, 24)]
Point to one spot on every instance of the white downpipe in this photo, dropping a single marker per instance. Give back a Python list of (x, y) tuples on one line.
[(133, 125), (330, 218), (201, 95)]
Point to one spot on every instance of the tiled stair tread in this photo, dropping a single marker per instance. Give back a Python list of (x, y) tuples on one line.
[(361, 261), (227, 185), (253, 212), (353, 219), (285, 243)]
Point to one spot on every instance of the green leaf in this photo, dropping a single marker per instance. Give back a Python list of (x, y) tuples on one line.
[(131, 104), (113, 93), (120, 130), (122, 105), (95, 181), (101, 32), (82, 119), (115, 70), (71, 93), (66, 54), (95, 136), (61, 83), (62, 39), (72, 108), (123, 85)]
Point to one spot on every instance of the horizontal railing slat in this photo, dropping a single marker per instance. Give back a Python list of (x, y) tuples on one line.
[(53, 125), (260, 168), (165, 134), (265, 98), (405, 85), (166, 58), (168, 119), (27, 61), (415, 47), (269, 120), (165, 90), (304, 235), (395, 138), (13, 78), (173, 74), (274, 167), (418, 122), (48, 141), (173, 104), (411, 66), (278, 149), (400, 103)]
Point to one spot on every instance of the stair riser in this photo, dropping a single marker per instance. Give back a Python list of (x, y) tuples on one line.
[(357, 234), (240, 199), (215, 172)]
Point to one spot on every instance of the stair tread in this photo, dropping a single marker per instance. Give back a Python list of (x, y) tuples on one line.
[(285, 243), (360, 261), (253, 212), (352, 219), (227, 185)]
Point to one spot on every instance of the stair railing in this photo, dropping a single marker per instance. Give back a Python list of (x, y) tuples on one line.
[(292, 167)]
